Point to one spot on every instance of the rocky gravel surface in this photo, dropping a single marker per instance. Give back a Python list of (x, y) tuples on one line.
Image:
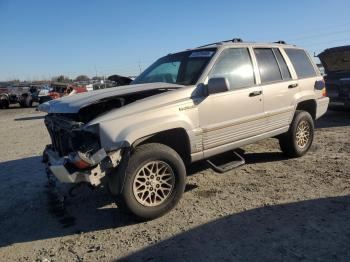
[(271, 209)]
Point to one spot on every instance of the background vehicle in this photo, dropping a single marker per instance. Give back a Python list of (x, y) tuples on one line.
[(21, 95), (58, 90), (185, 107), (336, 62)]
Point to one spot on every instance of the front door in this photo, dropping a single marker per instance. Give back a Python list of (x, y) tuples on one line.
[(236, 114)]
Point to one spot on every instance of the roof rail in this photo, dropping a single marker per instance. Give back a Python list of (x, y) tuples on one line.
[(234, 40), (237, 40), (280, 42)]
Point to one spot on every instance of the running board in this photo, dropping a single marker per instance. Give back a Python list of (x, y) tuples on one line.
[(221, 164)]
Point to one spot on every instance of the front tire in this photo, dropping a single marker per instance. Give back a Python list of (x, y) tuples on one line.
[(297, 141), (4, 103), (154, 181)]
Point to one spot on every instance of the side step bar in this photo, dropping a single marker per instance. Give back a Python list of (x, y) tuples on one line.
[(223, 163)]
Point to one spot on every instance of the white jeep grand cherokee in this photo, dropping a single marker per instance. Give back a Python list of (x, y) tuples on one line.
[(188, 106)]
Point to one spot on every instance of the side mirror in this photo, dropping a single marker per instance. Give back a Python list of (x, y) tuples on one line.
[(218, 85)]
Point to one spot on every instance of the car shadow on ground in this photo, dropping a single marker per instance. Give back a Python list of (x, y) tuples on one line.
[(314, 230), (31, 210), (334, 118)]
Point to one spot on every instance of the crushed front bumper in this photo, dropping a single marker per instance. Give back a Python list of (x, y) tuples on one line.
[(65, 173)]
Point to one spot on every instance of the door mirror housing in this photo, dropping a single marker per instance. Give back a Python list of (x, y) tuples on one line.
[(217, 85)]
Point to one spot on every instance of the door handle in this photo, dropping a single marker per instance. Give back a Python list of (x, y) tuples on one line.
[(292, 86), (255, 93)]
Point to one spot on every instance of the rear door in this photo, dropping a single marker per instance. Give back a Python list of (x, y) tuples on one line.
[(278, 87), (305, 71)]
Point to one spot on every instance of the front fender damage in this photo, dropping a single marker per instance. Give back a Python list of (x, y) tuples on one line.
[(116, 178)]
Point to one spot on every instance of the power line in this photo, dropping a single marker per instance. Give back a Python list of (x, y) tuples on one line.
[(328, 42), (302, 33), (320, 35)]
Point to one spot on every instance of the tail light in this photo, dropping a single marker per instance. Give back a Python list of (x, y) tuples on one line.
[(321, 86), (324, 91)]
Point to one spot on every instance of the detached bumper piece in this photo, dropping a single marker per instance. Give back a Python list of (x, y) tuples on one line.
[(65, 172)]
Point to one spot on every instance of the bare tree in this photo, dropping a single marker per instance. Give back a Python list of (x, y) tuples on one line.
[(60, 78), (82, 78)]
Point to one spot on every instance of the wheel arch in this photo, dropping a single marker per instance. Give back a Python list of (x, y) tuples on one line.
[(175, 138), (309, 106)]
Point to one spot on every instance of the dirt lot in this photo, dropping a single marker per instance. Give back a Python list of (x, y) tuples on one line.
[(271, 209)]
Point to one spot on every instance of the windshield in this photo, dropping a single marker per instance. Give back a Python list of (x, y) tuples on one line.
[(182, 68)]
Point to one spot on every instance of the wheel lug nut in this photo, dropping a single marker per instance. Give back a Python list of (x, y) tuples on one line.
[(152, 176), (158, 178), (157, 186)]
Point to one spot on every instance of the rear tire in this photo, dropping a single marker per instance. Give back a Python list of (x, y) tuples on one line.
[(154, 181), (297, 141)]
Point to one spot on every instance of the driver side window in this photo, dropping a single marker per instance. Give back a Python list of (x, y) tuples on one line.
[(166, 72), (235, 65)]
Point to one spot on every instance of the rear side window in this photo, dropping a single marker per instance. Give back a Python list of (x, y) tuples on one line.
[(268, 66), (283, 66), (235, 65), (301, 63)]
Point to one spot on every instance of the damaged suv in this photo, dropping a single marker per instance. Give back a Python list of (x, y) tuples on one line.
[(187, 106), (336, 62)]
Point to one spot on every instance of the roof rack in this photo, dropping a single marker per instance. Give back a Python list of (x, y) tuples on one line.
[(234, 40), (280, 42), (237, 40)]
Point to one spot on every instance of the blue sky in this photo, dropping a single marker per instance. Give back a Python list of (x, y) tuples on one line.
[(41, 39)]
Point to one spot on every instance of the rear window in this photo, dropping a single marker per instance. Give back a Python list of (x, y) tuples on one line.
[(268, 66), (283, 66), (301, 63)]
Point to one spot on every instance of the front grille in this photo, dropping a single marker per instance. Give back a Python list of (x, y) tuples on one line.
[(67, 136), (60, 130)]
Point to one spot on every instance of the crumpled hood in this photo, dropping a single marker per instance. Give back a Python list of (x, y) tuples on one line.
[(336, 59), (72, 104)]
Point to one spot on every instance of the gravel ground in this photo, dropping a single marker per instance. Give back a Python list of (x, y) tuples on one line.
[(270, 209)]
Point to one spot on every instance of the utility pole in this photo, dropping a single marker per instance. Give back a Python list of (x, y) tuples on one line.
[(139, 67)]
